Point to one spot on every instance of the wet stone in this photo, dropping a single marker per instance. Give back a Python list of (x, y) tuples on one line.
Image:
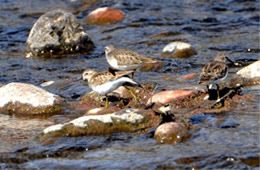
[(57, 33), (164, 97), (121, 121), (170, 133), (178, 49), (104, 15), (29, 100)]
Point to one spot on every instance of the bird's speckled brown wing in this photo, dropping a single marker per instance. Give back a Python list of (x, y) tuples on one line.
[(128, 57), (103, 77), (213, 71)]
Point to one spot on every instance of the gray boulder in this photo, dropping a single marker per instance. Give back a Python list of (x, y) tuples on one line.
[(57, 33)]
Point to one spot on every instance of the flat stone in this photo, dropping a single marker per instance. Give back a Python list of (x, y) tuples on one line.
[(164, 97), (127, 116), (27, 99), (57, 33), (250, 71)]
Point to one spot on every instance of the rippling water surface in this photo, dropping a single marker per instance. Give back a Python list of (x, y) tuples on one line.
[(228, 140)]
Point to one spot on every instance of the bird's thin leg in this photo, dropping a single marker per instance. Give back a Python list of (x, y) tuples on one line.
[(133, 74), (217, 91), (133, 95), (107, 104)]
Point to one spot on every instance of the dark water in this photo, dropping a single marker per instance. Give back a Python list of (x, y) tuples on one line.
[(228, 140)]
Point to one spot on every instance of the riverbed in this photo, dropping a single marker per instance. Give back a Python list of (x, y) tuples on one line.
[(226, 140)]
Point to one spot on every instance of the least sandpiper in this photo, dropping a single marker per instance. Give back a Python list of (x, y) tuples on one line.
[(214, 72), (123, 59), (105, 82)]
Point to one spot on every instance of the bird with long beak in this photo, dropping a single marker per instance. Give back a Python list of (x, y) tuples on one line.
[(105, 82)]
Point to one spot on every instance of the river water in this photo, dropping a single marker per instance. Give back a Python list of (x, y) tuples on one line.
[(227, 140)]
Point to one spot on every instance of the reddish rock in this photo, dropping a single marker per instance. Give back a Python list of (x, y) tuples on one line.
[(167, 96), (189, 76), (104, 15), (170, 133)]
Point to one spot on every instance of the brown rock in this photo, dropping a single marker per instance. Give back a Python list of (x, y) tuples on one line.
[(170, 133), (189, 76), (104, 15), (178, 50), (167, 96)]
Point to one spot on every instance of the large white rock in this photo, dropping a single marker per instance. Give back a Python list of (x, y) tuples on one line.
[(250, 71), (20, 95), (129, 115)]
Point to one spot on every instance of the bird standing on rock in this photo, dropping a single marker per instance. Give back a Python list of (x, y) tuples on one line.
[(123, 59), (214, 72), (105, 82)]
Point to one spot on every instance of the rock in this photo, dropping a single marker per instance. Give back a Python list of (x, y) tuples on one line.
[(189, 76), (95, 111), (152, 66), (250, 71), (170, 133), (47, 83), (228, 124), (178, 50), (104, 15), (124, 120), (164, 97), (57, 33), (27, 99), (102, 110)]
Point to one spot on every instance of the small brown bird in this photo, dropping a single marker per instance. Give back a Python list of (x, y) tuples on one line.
[(123, 59), (214, 72), (105, 82)]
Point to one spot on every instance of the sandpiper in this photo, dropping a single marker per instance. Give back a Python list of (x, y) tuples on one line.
[(123, 59), (214, 72), (105, 82)]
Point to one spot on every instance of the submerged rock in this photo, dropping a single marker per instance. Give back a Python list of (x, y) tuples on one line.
[(167, 96), (170, 133), (104, 15), (178, 50), (250, 71), (124, 120), (27, 99), (57, 33), (189, 76)]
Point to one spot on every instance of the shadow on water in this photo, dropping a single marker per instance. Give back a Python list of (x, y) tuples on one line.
[(229, 140)]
